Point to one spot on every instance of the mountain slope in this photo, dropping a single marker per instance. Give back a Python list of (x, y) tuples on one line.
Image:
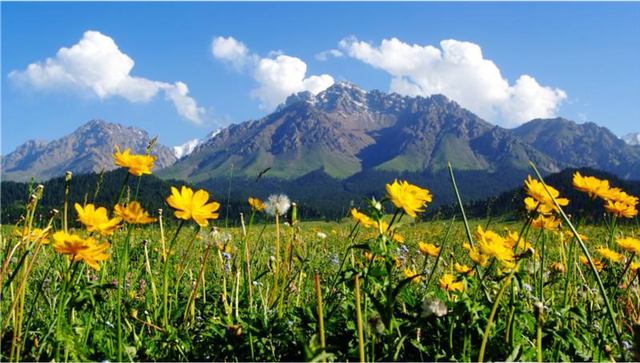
[(344, 130), (88, 149), (584, 145)]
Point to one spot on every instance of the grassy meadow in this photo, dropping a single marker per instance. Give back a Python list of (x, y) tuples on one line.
[(128, 284)]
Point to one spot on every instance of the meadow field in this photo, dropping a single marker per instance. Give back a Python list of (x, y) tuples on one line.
[(120, 283)]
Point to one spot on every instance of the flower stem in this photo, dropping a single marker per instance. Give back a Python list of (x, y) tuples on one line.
[(542, 250), (613, 231), (124, 184)]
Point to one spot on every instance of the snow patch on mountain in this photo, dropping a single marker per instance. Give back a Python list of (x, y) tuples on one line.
[(632, 138), (189, 146)]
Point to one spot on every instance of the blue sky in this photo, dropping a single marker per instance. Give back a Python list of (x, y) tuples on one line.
[(576, 60)]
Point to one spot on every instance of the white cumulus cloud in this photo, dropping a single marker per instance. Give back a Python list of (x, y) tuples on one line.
[(186, 106), (278, 75), (324, 56), (230, 50), (458, 70), (96, 64)]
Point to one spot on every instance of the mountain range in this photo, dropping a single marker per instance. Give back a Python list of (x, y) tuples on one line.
[(344, 132), (88, 149)]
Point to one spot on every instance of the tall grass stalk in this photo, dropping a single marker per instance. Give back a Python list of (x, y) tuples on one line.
[(467, 228), (320, 315), (123, 262), (167, 253), (67, 186), (192, 297), (226, 219), (442, 247), (356, 281), (147, 265)]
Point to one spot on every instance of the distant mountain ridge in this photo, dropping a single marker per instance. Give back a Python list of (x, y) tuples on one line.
[(581, 145), (345, 130), (87, 149)]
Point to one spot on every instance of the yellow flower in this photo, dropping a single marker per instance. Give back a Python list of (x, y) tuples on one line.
[(448, 283), (549, 223), (629, 244), (492, 245), (464, 269), (362, 218), (137, 164), (610, 255), (256, 204), (80, 249), (533, 205), (428, 249), (582, 236), (621, 209), (634, 266), (478, 257), (397, 261), (192, 205), (398, 238), (134, 214), (593, 186), (599, 264), (96, 220), (35, 234), (535, 189), (512, 239), (617, 195), (409, 197), (408, 272)]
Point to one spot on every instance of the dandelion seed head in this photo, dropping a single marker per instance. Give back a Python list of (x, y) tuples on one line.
[(277, 204), (433, 306)]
